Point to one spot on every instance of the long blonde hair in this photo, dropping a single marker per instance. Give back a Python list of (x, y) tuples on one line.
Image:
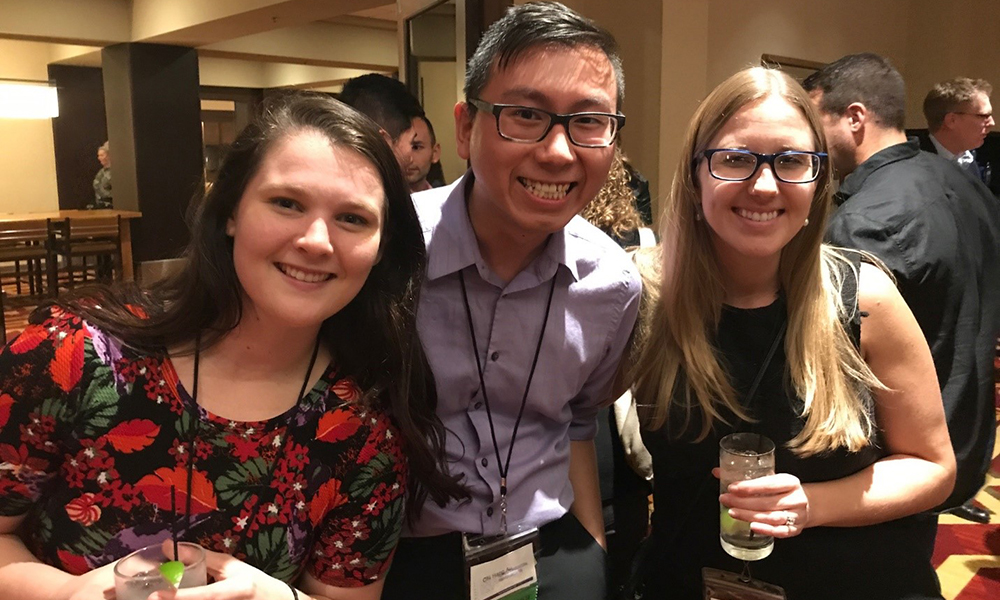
[(678, 364)]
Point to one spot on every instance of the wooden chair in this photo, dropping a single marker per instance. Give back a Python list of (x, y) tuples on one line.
[(86, 238), (29, 242)]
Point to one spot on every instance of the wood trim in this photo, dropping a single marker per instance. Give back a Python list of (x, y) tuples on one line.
[(788, 61), (294, 60)]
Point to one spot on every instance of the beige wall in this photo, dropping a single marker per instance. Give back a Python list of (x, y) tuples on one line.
[(437, 84), (928, 40), (636, 24), (27, 158)]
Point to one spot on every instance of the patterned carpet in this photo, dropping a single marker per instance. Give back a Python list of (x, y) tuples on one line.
[(967, 555)]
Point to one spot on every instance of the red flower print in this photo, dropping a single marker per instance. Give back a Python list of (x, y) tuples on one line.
[(337, 426), (132, 436), (83, 510), (36, 432), (122, 495), (296, 456), (73, 564), (242, 448), (242, 522), (157, 486), (5, 403), (137, 311), (67, 365), (18, 459), (179, 450), (327, 498), (347, 390)]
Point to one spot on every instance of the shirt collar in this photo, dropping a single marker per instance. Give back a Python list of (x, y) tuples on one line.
[(964, 159), (453, 245), (891, 154)]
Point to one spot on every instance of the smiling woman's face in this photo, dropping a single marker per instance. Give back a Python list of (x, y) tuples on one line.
[(756, 218), (306, 231)]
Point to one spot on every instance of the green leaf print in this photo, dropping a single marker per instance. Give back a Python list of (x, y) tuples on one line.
[(55, 408), (98, 404), (91, 541), (16, 504), (390, 520), (370, 475), (241, 481), (43, 527), (269, 553)]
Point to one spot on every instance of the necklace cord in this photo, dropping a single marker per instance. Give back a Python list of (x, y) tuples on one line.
[(195, 427), (504, 467)]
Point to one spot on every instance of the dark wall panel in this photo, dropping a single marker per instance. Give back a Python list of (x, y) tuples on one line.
[(77, 132), (154, 122)]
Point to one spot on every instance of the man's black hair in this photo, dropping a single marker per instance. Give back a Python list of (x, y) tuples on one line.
[(866, 78), (384, 100), (528, 26)]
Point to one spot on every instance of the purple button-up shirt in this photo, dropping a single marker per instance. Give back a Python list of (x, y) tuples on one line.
[(594, 308)]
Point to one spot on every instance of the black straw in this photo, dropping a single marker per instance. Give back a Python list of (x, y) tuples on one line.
[(173, 511)]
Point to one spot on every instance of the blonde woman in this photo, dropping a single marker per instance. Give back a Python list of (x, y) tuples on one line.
[(846, 387)]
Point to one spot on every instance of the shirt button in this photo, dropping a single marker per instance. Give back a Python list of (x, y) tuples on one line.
[(484, 462), (489, 512), (478, 405), (494, 356)]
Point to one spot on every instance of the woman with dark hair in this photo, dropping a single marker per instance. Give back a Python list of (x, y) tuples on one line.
[(127, 414)]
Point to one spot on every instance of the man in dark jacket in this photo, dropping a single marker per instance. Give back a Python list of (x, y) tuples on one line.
[(959, 117), (936, 228)]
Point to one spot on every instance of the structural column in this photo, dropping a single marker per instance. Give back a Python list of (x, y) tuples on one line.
[(154, 127)]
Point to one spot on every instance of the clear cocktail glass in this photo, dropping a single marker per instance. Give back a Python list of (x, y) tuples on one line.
[(743, 456), (138, 574)]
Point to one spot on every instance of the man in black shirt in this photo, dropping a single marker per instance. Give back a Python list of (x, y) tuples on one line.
[(937, 229)]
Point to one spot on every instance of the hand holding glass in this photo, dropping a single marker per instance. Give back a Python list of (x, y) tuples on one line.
[(743, 456), (138, 574)]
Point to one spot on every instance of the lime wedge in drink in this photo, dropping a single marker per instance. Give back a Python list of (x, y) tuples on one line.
[(172, 571), (731, 526)]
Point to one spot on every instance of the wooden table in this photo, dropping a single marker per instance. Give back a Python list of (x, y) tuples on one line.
[(81, 215)]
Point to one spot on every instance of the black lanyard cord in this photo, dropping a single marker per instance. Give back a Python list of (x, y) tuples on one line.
[(195, 427), (505, 467)]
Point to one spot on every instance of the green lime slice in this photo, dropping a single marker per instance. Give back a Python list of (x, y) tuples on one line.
[(172, 571)]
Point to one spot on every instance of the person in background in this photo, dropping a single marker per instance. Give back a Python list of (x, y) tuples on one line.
[(268, 402), (622, 208), (623, 475), (526, 307), (424, 152), (936, 228), (102, 181), (959, 116), (759, 327), (387, 102)]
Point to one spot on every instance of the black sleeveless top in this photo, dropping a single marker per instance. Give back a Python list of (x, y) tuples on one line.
[(879, 562)]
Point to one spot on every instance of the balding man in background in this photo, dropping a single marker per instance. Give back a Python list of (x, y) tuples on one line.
[(959, 116)]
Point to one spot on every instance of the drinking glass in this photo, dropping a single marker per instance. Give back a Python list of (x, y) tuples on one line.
[(743, 456), (138, 574)]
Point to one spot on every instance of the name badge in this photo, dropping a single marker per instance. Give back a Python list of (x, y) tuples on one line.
[(723, 585), (501, 567)]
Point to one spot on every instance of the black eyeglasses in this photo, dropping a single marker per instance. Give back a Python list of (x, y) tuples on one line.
[(528, 125), (792, 166)]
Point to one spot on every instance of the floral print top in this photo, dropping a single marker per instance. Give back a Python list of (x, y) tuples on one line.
[(95, 436)]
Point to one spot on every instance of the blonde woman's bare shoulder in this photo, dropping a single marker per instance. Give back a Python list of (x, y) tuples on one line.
[(876, 290)]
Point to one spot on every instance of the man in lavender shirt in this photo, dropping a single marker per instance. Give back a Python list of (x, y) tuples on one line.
[(524, 292)]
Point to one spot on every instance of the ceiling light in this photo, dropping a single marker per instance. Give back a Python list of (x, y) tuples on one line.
[(28, 99)]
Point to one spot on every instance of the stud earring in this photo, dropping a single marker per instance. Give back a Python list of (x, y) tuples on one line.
[(697, 216), (806, 224)]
